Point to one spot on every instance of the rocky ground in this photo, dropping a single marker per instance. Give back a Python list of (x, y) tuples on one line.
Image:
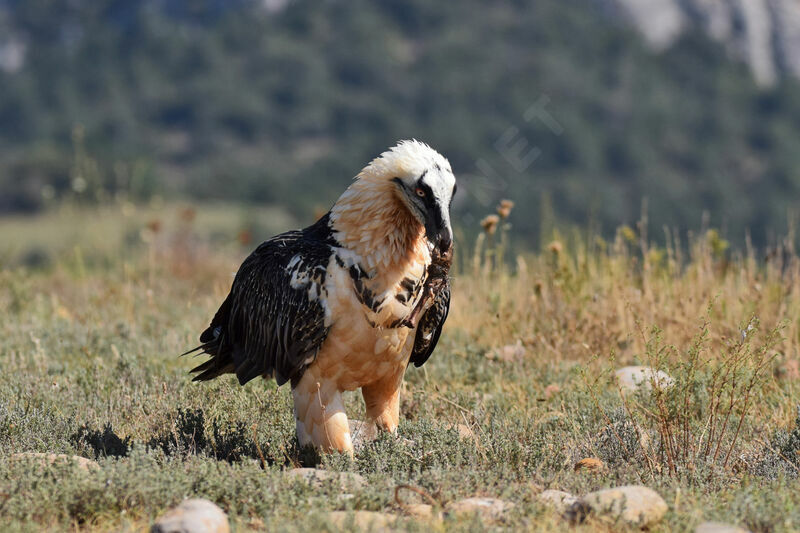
[(608, 386)]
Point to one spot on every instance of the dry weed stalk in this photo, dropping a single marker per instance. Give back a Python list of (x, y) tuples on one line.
[(699, 418)]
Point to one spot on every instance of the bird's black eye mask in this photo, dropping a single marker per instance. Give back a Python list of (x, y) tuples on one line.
[(409, 193), (427, 194), (421, 191)]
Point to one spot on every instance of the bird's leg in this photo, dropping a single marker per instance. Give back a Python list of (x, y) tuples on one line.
[(319, 414), (382, 399)]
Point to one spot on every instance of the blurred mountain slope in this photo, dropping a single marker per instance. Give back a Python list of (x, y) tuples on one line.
[(548, 102)]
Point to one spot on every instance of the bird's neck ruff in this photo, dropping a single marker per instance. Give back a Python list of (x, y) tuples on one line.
[(370, 220)]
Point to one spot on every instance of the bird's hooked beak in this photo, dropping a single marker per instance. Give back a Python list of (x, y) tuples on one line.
[(438, 229)]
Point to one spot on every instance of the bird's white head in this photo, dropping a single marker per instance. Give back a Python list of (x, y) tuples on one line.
[(423, 182), (403, 194)]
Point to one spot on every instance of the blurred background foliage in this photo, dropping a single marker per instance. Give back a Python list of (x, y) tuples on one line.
[(276, 102)]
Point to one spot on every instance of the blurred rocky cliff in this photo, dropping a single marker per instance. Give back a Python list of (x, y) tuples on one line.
[(763, 33)]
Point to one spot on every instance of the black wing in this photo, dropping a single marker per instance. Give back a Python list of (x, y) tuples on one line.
[(273, 321), (430, 327)]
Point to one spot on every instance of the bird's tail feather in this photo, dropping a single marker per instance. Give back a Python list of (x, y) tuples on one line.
[(221, 362)]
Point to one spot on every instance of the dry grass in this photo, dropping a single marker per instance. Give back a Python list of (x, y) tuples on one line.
[(89, 367)]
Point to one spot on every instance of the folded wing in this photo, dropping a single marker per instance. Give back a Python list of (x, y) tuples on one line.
[(273, 321), (430, 326)]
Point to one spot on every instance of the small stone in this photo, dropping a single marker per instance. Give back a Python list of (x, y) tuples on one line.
[(256, 523), (636, 377), (509, 353), (193, 516), (491, 509), (719, 527), (362, 520), (551, 390), (463, 430), (635, 505), (558, 500), (318, 478), (644, 440), (789, 370), (589, 464), (362, 432), (418, 510), (48, 459)]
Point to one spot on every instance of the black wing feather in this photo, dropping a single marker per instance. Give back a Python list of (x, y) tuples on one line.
[(430, 327), (265, 327)]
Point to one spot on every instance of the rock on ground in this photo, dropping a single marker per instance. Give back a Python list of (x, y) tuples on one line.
[(719, 527), (551, 390), (635, 505), (193, 516), (362, 520), (362, 432), (589, 464), (48, 459), (419, 510), (464, 431), (488, 508), (558, 500), (509, 353), (636, 377), (317, 478)]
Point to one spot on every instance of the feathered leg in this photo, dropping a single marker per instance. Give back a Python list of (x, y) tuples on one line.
[(319, 414), (382, 399)]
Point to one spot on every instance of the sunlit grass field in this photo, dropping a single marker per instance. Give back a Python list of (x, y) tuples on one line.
[(97, 303)]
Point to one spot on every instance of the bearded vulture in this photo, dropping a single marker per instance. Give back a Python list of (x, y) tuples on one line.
[(347, 302)]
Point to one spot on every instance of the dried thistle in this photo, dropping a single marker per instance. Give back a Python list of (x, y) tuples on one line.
[(188, 215), (489, 224), (154, 226), (504, 209), (555, 247), (538, 286), (245, 237), (628, 234)]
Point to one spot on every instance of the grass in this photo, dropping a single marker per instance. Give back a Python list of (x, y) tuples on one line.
[(89, 366)]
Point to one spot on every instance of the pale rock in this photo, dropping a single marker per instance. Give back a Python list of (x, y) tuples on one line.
[(362, 520), (463, 430), (491, 509), (765, 34), (48, 459), (660, 21), (509, 353), (551, 390), (719, 527), (193, 516), (318, 478), (362, 432), (558, 500), (589, 464), (789, 370), (634, 505), (635, 377), (755, 44), (419, 510), (787, 27)]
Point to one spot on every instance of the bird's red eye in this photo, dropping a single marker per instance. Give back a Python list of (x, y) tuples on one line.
[(420, 192)]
